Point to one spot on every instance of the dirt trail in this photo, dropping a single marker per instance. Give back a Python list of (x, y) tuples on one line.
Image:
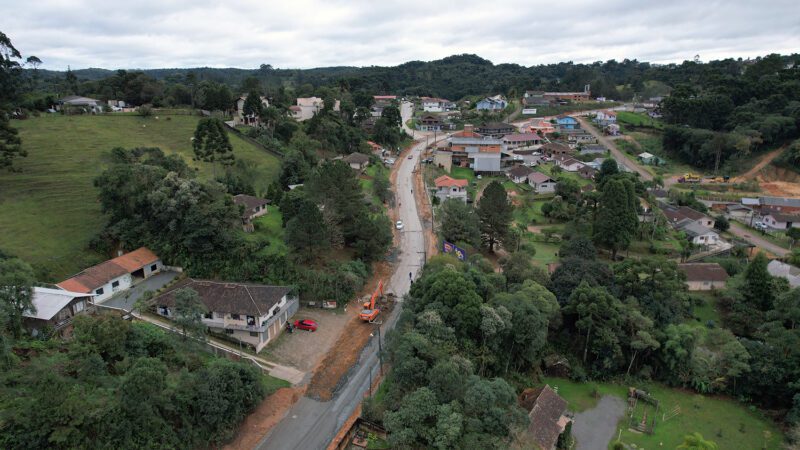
[(271, 410), (766, 159)]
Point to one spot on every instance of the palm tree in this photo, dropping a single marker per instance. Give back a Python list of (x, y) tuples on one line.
[(695, 441)]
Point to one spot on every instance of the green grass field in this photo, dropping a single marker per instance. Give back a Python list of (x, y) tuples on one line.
[(638, 120), (728, 423), (49, 211), (269, 232)]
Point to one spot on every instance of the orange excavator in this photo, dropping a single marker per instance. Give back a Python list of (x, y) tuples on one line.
[(370, 311)]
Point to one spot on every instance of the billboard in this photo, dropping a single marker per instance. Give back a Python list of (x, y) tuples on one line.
[(448, 247)]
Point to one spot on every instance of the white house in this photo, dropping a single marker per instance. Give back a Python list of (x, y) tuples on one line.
[(306, 107), (247, 119), (704, 276), (253, 314), (114, 275), (700, 235), (448, 187), (783, 270), (495, 103), (519, 174), (568, 164), (605, 117), (55, 308), (433, 104), (541, 183), (781, 221)]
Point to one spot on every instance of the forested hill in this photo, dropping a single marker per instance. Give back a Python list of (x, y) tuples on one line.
[(458, 76)]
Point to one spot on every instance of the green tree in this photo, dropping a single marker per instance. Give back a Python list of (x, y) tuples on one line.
[(494, 211), (721, 223), (392, 115), (252, 105), (10, 76), (189, 310), (579, 246), (306, 232), (211, 144), (616, 220), (460, 223), (16, 292), (10, 143), (608, 169), (600, 316)]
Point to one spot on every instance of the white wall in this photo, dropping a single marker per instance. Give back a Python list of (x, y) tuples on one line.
[(109, 289)]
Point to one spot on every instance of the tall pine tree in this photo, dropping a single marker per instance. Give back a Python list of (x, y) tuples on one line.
[(616, 221), (494, 211)]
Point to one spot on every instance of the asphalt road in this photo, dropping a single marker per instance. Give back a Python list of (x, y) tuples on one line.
[(311, 424), (754, 238)]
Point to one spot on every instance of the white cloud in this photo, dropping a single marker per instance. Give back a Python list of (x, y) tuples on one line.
[(315, 33)]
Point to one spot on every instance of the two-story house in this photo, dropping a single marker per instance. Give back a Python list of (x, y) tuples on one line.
[(253, 314), (519, 140), (495, 129), (495, 103), (54, 309), (306, 107), (433, 104), (605, 117), (470, 149), (247, 119), (448, 187), (567, 123)]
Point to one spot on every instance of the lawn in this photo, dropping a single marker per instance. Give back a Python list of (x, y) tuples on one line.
[(728, 423), (462, 173), (639, 120), (49, 211), (707, 311), (272, 384), (269, 232), (545, 252), (547, 169)]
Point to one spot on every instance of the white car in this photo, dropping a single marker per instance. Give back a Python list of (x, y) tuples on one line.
[(760, 226), (399, 225)]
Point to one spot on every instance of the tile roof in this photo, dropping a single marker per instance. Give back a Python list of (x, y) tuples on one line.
[(539, 177), (521, 137), (693, 229), (545, 409), (703, 272), (520, 171), (250, 203), (229, 298), (782, 216), (136, 259), (96, 276), (446, 181), (356, 158), (555, 147)]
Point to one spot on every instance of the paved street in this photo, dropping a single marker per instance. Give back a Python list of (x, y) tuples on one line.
[(311, 424), (126, 299), (753, 237)]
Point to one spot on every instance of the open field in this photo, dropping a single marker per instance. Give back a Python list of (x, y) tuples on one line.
[(722, 420), (49, 211)]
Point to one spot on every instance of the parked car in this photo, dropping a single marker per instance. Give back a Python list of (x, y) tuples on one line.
[(306, 324), (760, 226), (399, 225), (410, 156)]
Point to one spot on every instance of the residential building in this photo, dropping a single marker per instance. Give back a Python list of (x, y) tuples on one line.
[(704, 276), (433, 104), (448, 187), (612, 129), (519, 174), (240, 118), (519, 140), (780, 221), (114, 275), (308, 106), (496, 103), (430, 123), (605, 117), (470, 149), (649, 159), (252, 207), (76, 103), (595, 163), (783, 270), (541, 183), (55, 309), (567, 163), (567, 123), (698, 234), (541, 126), (534, 98), (677, 215), (553, 149), (495, 129), (252, 314), (568, 97), (579, 139), (739, 211), (357, 161), (782, 204), (547, 416)]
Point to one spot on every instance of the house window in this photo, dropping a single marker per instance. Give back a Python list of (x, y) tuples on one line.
[(235, 317), (209, 315), (80, 306), (251, 320), (228, 331), (254, 334), (99, 291), (154, 267), (115, 284), (163, 310)]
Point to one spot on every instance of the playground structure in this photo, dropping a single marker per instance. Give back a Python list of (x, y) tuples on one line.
[(643, 411)]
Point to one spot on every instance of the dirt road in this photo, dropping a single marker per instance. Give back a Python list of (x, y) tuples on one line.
[(753, 237), (766, 159), (615, 152)]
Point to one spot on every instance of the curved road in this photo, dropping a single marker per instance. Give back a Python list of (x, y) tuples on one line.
[(312, 424)]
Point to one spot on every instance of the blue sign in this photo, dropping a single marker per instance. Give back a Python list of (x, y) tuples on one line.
[(461, 254)]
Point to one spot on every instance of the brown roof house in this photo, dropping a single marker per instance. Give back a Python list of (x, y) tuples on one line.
[(519, 174), (114, 275), (704, 276), (547, 414), (253, 207), (555, 149), (253, 314), (357, 161)]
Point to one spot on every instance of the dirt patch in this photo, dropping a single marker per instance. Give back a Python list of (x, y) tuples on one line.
[(766, 159), (345, 351), (303, 349), (781, 188), (425, 211), (271, 410)]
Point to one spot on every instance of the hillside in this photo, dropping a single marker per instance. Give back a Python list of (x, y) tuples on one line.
[(49, 212)]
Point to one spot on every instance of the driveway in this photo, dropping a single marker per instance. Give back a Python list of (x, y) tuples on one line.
[(126, 299), (595, 428), (752, 237), (304, 349)]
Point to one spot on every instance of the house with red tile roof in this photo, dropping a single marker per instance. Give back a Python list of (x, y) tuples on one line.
[(449, 187), (118, 274)]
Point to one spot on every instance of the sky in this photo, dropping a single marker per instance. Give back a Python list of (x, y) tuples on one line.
[(148, 34)]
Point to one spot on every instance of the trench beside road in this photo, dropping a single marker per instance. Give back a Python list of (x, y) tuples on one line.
[(312, 424)]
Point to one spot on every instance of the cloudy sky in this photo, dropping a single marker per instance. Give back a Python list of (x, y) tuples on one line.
[(301, 34)]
